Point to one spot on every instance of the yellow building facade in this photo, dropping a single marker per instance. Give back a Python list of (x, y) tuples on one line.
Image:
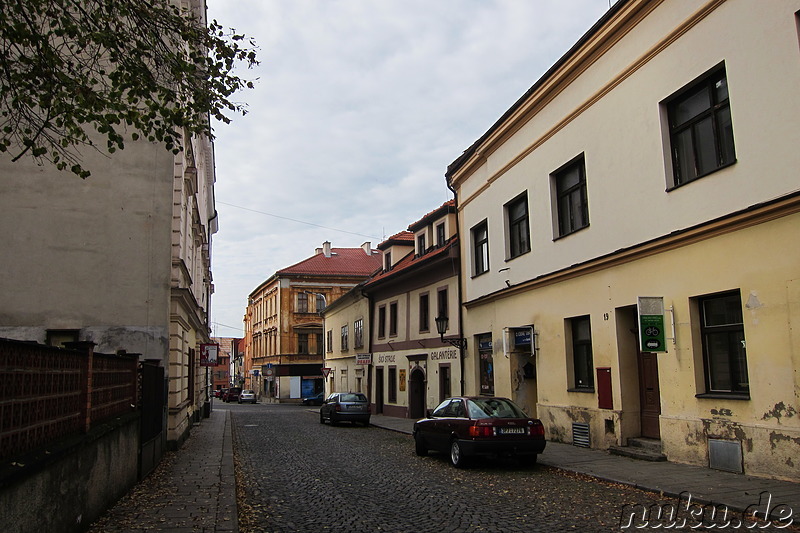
[(656, 159)]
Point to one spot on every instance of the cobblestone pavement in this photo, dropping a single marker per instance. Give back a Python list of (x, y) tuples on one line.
[(297, 475)]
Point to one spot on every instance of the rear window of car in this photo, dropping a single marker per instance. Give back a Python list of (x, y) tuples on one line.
[(248, 392), (352, 398), (494, 408)]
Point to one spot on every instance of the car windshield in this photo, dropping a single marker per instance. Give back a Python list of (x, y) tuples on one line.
[(494, 408), (352, 398)]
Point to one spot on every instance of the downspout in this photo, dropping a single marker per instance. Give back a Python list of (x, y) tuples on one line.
[(460, 294)]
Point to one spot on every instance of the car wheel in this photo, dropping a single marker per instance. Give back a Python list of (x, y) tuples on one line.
[(457, 458), (321, 419), (419, 445)]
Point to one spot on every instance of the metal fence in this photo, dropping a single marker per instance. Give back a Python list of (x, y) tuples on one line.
[(49, 393)]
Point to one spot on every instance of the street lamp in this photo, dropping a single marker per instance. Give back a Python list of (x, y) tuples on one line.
[(441, 327), (321, 295)]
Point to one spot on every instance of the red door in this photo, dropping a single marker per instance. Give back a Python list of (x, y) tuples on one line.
[(650, 397)]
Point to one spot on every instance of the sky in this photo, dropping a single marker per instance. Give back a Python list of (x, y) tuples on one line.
[(358, 108)]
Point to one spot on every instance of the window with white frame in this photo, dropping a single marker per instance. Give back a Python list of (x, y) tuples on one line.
[(344, 337), (421, 244), (441, 236), (358, 333)]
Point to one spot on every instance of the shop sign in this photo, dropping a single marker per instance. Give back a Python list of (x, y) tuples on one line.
[(364, 359), (522, 337), (485, 342), (651, 324), (208, 354)]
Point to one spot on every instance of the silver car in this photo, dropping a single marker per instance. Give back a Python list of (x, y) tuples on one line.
[(345, 407), (247, 396)]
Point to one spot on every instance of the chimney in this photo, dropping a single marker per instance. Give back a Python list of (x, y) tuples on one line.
[(326, 248), (317, 251), (367, 247)]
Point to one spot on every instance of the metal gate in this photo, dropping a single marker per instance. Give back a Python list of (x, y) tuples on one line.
[(153, 394)]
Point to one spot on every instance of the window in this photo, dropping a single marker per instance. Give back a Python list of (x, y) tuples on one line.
[(424, 312), (330, 341), (572, 207), (387, 260), (319, 343), (421, 244), (393, 319), (700, 128), (582, 363), (440, 235), (724, 348), (442, 303), (392, 385), (302, 302), (59, 337), (302, 343), (519, 241), (344, 337), (358, 333), (320, 303), (381, 321), (480, 249)]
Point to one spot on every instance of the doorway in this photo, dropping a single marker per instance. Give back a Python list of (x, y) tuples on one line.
[(649, 395), (416, 393), (379, 391)]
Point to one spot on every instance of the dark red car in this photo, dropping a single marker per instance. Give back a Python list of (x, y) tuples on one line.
[(231, 395), (479, 426)]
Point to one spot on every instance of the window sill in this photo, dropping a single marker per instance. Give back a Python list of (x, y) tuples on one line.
[(573, 232), (701, 176), (582, 390), (723, 396)]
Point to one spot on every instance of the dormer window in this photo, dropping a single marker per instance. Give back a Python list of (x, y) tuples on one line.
[(440, 235), (421, 244), (387, 260)]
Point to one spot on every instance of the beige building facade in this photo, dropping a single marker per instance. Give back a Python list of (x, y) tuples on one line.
[(413, 369), (121, 259), (657, 159), (347, 358)]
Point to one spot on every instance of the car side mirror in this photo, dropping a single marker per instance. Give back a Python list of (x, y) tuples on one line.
[(429, 413)]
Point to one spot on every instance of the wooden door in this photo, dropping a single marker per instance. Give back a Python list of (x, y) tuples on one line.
[(649, 394), (416, 394), (378, 391)]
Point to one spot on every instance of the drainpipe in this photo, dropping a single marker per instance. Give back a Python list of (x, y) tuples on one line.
[(460, 294)]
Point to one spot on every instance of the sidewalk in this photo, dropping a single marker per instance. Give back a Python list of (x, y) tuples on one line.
[(735, 491), (192, 490)]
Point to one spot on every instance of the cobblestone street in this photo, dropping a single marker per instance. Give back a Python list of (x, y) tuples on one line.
[(297, 475)]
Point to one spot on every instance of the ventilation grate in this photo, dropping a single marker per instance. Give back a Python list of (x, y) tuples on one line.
[(580, 435)]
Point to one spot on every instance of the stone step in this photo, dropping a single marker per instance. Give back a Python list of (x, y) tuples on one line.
[(653, 445), (643, 453)]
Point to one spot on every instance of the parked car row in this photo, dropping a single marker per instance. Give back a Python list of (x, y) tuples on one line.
[(236, 394)]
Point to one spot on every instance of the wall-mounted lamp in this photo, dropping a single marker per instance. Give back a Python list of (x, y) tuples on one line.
[(441, 327)]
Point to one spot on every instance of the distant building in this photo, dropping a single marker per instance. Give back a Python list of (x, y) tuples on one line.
[(221, 373), (630, 227), (284, 338), (413, 368)]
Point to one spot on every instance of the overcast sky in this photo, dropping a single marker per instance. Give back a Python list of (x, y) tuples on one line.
[(359, 108)]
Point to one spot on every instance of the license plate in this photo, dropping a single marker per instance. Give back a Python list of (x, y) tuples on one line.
[(511, 431)]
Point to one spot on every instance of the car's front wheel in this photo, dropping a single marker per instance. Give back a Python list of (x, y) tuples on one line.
[(457, 458), (419, 445), (321, 418)]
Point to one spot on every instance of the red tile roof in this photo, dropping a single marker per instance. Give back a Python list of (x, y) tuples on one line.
[(402, 238), (342, 262), (411, 260), (447, 207)]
